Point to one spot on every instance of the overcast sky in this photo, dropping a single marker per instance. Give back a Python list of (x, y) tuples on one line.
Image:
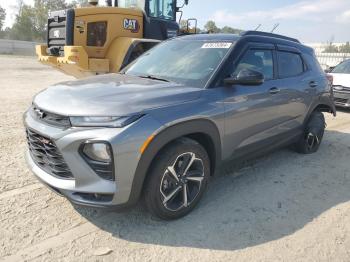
[(308, 20)]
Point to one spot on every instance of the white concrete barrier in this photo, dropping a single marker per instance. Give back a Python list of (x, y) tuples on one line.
[(331, 59), (14, 47)]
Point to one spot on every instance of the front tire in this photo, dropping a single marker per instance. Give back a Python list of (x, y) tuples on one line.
[(313, 134), (177, 179)]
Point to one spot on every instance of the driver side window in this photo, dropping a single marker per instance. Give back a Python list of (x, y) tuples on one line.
[(257, 60)]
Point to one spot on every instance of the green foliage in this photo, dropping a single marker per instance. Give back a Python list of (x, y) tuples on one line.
[(345, 48), (78, 3), (24, 26), (2, 17), (183, 24), (211, 27), (334, 49), (331, 49), (230, 30), (31, 22)]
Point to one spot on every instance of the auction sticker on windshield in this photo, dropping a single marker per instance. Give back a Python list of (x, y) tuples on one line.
[(217, 45)]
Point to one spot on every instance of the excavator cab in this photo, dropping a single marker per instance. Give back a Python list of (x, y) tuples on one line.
[(103, 39)]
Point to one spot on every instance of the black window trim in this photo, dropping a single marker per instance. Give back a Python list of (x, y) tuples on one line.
[(264, 47), (216, 80), (297, 52)]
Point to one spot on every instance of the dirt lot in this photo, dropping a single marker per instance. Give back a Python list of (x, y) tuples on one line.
[(282, 207)]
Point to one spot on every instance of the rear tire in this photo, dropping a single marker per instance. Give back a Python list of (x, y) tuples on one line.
[(177, 179), (313, 134)]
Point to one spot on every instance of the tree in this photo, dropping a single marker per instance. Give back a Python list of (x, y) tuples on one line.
[(31, 22), (78, 3), (345, 48), (2, 17), (211, 27), (183, 24), (24, 26), (330, 48), (41, 10), (230, 30)]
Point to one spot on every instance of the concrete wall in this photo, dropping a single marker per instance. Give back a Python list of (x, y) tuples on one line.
[(13, 47)]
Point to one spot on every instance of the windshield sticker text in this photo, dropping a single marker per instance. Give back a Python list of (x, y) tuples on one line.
[(217, 45)]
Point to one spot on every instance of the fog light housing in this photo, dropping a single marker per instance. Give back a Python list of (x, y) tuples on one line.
[(98, 151), (99, 157)]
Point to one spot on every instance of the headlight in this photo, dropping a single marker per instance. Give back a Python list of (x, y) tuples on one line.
[(103, 121)]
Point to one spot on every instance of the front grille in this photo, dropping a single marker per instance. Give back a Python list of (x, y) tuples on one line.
[(341, 89), (50, 118), (340, 100), (47, 156)]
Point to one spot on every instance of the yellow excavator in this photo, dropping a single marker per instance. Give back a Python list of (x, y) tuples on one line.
[(103, 39)]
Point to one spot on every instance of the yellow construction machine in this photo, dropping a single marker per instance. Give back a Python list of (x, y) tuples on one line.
[(103, 39)]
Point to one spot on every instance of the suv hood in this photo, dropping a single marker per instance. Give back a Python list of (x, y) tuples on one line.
[(112, 95), (341, 79)]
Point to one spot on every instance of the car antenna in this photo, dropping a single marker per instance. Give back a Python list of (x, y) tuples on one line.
[(275, 27), (257, 27)]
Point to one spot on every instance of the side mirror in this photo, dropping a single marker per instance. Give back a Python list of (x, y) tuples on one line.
[(246, 77), (186, 2)]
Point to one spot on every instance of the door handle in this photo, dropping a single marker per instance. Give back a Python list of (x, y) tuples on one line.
[(313, 84), (274, 90)]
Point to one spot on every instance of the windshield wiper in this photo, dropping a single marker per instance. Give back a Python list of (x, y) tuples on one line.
[(154, 78)]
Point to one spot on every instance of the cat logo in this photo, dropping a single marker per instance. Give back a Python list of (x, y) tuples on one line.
[(132, 25)]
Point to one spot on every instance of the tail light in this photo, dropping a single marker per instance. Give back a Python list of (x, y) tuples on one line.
[(330, 83), (330, 79)]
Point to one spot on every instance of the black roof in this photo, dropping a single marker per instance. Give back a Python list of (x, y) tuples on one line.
[(266, 34), (255, 36)]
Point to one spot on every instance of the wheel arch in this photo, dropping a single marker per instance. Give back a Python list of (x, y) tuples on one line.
[(324, 104), (204, 132)]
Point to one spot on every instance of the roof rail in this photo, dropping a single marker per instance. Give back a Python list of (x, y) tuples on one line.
[(259, 33)]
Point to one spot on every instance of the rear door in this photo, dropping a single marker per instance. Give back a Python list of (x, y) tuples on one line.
[(296, 83)]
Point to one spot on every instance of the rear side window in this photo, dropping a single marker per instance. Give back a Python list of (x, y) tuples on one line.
[(289, 64)]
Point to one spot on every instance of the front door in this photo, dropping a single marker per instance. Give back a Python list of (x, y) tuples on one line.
[(254, 113)]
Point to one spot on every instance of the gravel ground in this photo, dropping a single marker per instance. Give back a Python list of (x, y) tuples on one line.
[(282, 207)]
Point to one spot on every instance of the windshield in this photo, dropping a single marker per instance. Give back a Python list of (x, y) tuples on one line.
[(186, 62), (132, 3), (342, 68)]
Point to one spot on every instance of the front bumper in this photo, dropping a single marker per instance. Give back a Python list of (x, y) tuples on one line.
[(75, 61), (342, 99), (86, 187)]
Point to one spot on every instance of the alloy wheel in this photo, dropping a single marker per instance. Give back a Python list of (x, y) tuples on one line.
[(182, 182), (312, 141)]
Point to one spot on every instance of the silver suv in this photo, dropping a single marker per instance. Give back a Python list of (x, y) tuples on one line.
[(163, 126)]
